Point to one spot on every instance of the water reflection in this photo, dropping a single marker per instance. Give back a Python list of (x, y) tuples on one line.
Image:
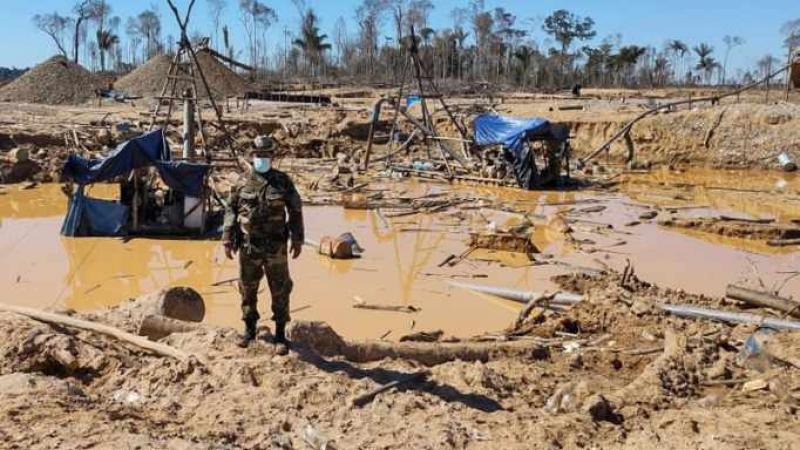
[(400, 266)]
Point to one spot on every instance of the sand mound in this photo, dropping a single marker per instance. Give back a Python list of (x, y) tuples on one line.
[(148, 79), (56, 81)]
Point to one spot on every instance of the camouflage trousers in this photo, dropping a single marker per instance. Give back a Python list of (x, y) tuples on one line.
[(273, 263)]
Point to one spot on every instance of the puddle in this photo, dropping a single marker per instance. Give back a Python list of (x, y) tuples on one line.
[(39, 268)]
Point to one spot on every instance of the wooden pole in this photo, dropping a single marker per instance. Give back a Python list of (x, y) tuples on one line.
[(124, 336), (135, 203), (763, 299), (789, 72)]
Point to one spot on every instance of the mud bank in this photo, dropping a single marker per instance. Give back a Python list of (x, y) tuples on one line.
[(612, 372)]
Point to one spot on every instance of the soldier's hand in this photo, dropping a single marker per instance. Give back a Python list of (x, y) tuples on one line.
[(297, 248), (229, 250)]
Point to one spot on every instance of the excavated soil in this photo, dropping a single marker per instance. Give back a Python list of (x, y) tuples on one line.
[(56, 81), (148, 79), (737, 229), (610, 373)]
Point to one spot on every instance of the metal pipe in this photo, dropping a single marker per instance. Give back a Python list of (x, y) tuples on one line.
[(519, 296), (695, 312), (684, 311)]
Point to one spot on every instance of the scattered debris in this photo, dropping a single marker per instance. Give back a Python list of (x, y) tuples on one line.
[(361, 304)]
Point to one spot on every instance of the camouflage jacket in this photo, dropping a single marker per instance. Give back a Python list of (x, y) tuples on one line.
[(257, 211)]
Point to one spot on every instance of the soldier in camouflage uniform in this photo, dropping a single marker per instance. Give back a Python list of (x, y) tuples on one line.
[(256, 227)]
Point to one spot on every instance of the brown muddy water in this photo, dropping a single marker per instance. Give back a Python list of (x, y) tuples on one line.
[(42, 269)]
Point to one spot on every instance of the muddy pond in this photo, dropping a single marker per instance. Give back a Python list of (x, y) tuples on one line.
[(40, 268)]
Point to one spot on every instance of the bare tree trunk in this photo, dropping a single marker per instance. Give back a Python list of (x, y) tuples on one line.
[(77, 38)]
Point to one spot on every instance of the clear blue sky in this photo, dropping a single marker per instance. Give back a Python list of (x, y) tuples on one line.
[(642, 22)]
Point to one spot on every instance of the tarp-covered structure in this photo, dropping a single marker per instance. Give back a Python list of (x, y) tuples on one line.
[(94, 217), (514, 134)]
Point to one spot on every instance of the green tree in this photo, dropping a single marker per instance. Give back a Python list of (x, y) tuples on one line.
[(566, 27), (679, 50), (311, 41), (106, 41), (707, 63), (524, 55)]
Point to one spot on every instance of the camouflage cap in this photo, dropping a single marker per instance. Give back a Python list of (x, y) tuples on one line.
[(263, 146)]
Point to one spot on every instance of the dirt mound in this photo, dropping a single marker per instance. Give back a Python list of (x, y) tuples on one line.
[(148, 79), (610, 372), (56, 81), (737, 229)]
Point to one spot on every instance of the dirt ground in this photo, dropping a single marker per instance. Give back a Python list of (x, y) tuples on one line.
[(610, 373), (614, 371)]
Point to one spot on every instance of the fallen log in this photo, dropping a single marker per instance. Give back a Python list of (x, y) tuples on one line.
[(365, 398), (322, 339), (764, 299), (156, 327), (116, 333)]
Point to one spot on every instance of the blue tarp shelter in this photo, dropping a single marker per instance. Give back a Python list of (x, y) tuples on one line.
[(93, 217), (512, 133)]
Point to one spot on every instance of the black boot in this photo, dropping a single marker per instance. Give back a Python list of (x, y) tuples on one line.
[(249, 333), (280, 338)]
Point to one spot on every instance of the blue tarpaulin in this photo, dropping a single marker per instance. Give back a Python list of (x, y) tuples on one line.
[(512, 133), (147, 150), (93, 217)]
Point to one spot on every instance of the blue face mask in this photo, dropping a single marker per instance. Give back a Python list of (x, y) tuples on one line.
[(262, 165)]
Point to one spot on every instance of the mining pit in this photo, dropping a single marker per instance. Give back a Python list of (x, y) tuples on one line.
[(643, 251)]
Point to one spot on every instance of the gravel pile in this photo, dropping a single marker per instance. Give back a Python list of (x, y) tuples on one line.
[(148, 79), (57, 81)]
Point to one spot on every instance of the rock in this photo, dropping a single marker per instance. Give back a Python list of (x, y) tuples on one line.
[(568, 397), (648, 215), (777, 118), (576, 361), (18, 172), (123, 126), (126, 397), (18, 383), (19, 155), (755, 385), (600, 409), (709, 401), (104, 137)]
